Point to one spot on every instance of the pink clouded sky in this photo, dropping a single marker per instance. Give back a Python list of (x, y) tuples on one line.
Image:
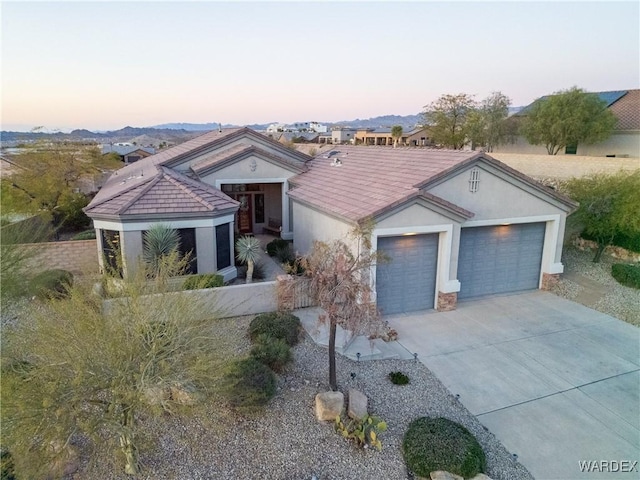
[(105, 65)]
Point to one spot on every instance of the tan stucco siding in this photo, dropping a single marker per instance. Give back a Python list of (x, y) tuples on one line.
[(313, 225), (413, 215), (205, 250), (496, 197), (131, 242), (251, 169), (619, 143)]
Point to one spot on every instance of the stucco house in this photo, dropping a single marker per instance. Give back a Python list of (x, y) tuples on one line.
[(623, 142), (128, 153), (454, 224)]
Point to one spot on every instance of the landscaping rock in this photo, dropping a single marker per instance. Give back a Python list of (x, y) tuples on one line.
[(329, 405), (66, 462), (481, 476), (185, 394), (156, 395), (357, 404), (442, 475)]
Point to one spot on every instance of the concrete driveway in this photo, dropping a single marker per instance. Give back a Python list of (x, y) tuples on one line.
[(556, 382)]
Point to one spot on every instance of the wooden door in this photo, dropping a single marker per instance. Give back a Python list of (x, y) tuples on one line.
[(245, 222)]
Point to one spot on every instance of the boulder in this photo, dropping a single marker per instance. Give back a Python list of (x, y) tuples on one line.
[(185, 394), (329, 405), (442, 475), (357, 404), (156, 395), (481, 476), (66, 460)]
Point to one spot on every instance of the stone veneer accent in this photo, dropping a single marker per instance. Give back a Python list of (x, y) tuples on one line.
[(550, 280), (447, 301)]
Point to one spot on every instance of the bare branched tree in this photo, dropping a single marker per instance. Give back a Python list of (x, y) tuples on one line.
[(339, 274)]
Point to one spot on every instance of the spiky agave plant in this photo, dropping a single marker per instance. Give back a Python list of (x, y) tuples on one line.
[(248, 251), (160, 241)]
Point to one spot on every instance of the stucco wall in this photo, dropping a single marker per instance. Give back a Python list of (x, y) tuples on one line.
[(417, 215), (226, 302), (496, 197), (76, 256), (620, 143), (313, 225), (243, 170)]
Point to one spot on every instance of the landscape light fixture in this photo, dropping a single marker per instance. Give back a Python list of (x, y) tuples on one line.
[(358, 356)]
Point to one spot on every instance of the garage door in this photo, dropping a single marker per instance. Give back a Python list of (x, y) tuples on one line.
[(500, 259), (407, 281)]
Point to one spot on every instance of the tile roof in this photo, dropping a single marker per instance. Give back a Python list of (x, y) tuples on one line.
[(125, 149), (165, 193), (624, 104), (627, 109), (371, 180)]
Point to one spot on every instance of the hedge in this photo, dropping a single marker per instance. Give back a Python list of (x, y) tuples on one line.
[(626, 274)]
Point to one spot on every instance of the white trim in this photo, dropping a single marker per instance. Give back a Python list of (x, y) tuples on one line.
[(445, 239), (177, 224), (246, 181), (228, 273), (551, 236)]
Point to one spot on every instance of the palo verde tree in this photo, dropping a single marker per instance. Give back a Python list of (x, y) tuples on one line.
[(448, 117), (396, 134), (609, 206), (77, 366), (568, 117), (338, 274)]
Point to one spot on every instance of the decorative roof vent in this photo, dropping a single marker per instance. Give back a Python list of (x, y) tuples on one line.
[(474, 179), (336, 162)]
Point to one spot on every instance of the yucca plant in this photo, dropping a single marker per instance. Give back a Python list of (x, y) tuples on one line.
[(248, 251), (160, 242)]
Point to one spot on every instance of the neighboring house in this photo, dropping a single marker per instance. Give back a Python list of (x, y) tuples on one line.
[(297, 137), (378, 136), (128, 153), (419, 137), (624, 141), (452, 224), (341, 135)]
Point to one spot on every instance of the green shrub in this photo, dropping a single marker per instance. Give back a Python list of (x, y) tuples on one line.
[(626, 274), (275, 353), (248, 384), (628, 241), (205, 280), (284, 326), (363, 431), (284, 254), (398, 378), (441, 444), (86, 235), (6, 465), (275, 244), (51, 283)]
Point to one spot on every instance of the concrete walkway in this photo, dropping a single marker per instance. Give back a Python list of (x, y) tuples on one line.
[(556, 382)]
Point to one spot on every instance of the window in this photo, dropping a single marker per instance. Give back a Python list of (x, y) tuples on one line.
[(258, 207), (223, 248), (188, 246), (111, 252), (474, 179), (571, 149)]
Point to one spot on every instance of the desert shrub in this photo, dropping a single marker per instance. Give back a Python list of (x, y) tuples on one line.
[(248, 384), (398, 378), (626, 274), (86, 235), (6, 465), (204, 280), (628, 241), (363, 431), (275, 244), (51, 283), (441, 444), (284, 254), (284, 326), (275, 353)]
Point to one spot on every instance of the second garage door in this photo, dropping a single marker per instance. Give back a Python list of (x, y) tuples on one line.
[(500, 259), (407, 281)]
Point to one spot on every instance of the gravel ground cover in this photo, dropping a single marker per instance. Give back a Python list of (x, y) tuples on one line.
[(618, 300), (285, 441)]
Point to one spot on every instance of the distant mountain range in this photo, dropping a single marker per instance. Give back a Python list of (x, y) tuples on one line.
[(179, 132)]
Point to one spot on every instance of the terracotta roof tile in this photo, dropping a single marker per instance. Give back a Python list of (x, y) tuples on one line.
[(370, 179), (627, 109)]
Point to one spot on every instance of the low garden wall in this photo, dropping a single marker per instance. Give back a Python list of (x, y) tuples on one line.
[(225, 302), (78, 256)]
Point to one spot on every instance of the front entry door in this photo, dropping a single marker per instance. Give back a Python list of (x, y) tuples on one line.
[(245, 223)]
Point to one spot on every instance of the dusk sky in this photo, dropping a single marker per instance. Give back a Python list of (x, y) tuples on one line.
[(103, 66)]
